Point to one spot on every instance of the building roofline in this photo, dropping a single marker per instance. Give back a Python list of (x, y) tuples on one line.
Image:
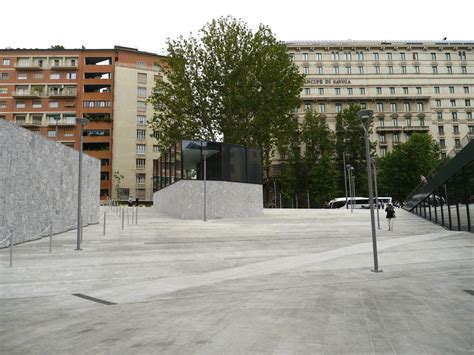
[(380, 42)]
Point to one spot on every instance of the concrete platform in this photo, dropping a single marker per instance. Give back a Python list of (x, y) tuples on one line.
[(290, 282)]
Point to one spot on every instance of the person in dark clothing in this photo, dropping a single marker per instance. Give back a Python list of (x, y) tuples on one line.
[(136, 202), (390, 216)]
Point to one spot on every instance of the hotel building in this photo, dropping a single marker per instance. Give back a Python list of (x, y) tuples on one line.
[(44, 90), (412, 86)]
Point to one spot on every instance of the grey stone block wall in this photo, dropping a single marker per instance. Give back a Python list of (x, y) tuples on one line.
[(38, 184), (185, 199)]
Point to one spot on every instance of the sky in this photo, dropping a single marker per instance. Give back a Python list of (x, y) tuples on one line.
[(147, 24)]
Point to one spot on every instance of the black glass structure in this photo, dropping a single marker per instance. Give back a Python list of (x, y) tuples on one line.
[(224, 162), (448, 196)]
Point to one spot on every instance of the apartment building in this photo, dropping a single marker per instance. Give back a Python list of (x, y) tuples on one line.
[(412, 86), (44, 90)]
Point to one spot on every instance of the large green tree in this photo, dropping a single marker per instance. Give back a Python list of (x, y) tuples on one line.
[(227, 84), (350, 140), (399, 171)]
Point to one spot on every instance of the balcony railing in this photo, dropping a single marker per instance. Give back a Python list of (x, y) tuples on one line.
[(64, 66), (63, 122), (29, 65), (416, 128), (35, 65), (27, 93), (28, 123), (389, 128), (63, 93)]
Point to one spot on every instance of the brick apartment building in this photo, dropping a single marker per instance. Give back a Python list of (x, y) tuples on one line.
[(44, 90)]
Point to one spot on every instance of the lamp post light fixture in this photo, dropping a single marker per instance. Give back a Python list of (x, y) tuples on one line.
[(365, 117), (81, 122), (373, 160), (204, 153)]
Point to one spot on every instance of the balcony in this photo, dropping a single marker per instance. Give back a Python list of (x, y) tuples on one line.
[(27, 93), (63, 122), (383, 144), (29, 65), (389, 129), (67, 93), (64, 66), (28, 123), (416, 129)]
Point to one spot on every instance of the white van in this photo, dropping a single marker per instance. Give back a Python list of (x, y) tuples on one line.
[(359, 202)]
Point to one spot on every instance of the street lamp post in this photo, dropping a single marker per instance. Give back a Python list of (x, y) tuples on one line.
[(350, 168), (365, 116), (204, 153), (81, 122), (376, 191), (345, 176)]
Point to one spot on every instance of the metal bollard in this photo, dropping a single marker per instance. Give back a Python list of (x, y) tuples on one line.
[(123, 216), (105, 216), (11, 248), (136, 215), (51, 237)]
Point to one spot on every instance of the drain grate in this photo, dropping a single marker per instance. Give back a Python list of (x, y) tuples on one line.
[(93, 299), (471, 292)]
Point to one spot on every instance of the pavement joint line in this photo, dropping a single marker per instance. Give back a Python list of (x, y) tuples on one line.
[(89, 298)]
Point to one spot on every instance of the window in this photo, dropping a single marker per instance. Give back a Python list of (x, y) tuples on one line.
[(292, 57), (307, 91), (362, 91), (383, 151), (442, 143), (4, 76), (419, 106), (433, 56), (417, 69), (456, 129), (395, 122), (337, 91), (104, 175), (451, 89), (466, 89), (335, 55), (305, 70), (141, 120), (54, 76), (402, 56), (390, 69), (434, 69), (379, 107), (382, 138), (360, 55), (438, 103), (457, 143), (349, 91), (422, 122), (439, 116), (462, 55), (321, 91), (436, 90), (389, 56), (319, 70), (305, 56), (20, 104), (156, 149), (141, 134), (53, 104), (448, 56), (22, 76), (361, 69), (6, 61), (141, 78), (3, 90), (463, 69), (307, 106), (38, 75), (71, 76), (140, 163), (396, 137), (141, 64), (408, 122), (348, 70), (381, 122), (392, 91), (51, 133), (141, 91), (393, 107), (449, 69), (141, 106), (36, 104), (467, 102), (376, 56), (404, 69), (363, 105), (70, 133), (419, 91), (453, 103), (405, 90), (3, 104), (441, 129), (454, 115), (347, 55), (406, 107), (415, 56), (336, 70), (469, 116), (319, 56), (322, 107), (377, 69), (141, 148), (338, 108), (378, 90), (140, 179)]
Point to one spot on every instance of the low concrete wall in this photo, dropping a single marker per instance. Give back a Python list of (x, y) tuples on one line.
[(38, 184), (184, 199)]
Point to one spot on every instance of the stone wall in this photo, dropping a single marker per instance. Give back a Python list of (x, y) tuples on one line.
[(38, 184), (184, 199)]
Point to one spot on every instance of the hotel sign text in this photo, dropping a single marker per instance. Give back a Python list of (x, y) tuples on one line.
[(328, 81)]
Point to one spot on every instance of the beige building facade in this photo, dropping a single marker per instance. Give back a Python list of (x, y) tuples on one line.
[(412, 86)]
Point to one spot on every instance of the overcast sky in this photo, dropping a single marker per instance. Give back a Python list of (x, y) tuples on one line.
[(146, 24)]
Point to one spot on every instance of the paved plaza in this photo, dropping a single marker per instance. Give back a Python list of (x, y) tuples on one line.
[(289, 282)]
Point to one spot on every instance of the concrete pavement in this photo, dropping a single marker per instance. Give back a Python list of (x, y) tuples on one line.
[(292, 281)]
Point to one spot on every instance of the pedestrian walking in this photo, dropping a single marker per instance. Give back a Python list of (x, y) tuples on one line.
[(130, 201), (390, 216), (136, 202)]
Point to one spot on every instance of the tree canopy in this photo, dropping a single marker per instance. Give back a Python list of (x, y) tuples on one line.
[(227, 84), (400, 170)]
